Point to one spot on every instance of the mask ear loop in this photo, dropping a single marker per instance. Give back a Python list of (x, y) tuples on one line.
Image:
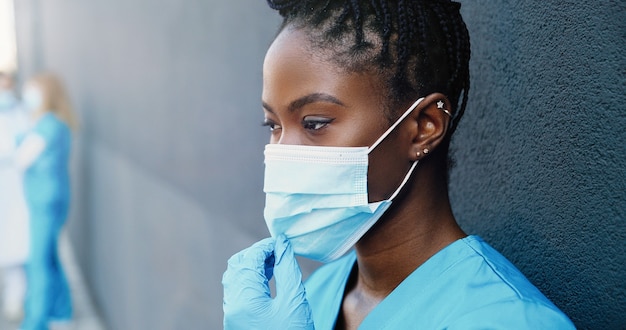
[(406, 178), (382, 137)]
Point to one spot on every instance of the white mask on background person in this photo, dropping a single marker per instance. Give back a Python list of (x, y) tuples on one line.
[(317, 196), (8, 100), (32, 98)]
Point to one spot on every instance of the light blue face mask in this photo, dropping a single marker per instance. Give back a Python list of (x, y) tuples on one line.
[(8, 100), (317, 196), (33, 99)]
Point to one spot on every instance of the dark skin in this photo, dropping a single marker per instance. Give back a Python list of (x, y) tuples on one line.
[(309, 100)]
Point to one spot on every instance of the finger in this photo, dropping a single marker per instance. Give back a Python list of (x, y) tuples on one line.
[(253, 257), (287, 271), (246, 275)]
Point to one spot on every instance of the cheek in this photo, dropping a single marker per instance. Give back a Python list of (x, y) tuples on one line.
[(387, 167), (363, 128)]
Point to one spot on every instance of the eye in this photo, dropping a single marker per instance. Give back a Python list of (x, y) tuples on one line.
[(271, 124), (315, 123)]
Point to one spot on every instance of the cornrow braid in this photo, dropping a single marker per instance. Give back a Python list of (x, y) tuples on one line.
[(404, 33), (358, 21), (419, 47), (386, 30)]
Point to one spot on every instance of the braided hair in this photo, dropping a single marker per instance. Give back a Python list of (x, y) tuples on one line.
[(419, 47)]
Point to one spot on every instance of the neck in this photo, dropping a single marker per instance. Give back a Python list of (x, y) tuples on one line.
[(418, 225)]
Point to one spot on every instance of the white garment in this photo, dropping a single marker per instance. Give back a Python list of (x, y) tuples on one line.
[(13, 210), (14, 292)]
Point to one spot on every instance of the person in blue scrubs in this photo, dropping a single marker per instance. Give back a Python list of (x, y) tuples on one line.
[(43, 155), (362, 99)]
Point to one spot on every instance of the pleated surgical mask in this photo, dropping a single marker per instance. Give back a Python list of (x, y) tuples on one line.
[(317, 196)]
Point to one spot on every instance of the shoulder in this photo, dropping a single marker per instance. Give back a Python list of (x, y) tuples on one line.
[(513, 314), (468, 285), (492, 268), (499, 295), (49, 126)]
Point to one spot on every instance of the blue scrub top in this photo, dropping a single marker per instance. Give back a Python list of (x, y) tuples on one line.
[(46, 181), (467, 285)]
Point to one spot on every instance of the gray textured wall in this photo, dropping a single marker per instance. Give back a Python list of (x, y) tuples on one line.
[(168, 163), (541, 151)]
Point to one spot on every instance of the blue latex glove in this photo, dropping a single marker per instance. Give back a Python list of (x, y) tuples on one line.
[(247, 299)]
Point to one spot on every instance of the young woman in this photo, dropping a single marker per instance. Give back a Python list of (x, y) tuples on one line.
[(43, 155), (362, 98)]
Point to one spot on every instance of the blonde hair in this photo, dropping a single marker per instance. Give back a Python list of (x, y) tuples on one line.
[(54, 98)]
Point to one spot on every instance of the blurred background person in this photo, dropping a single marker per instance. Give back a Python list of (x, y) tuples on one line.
[(13, 213), (43, 156)]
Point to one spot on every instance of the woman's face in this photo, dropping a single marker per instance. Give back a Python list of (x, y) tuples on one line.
[(310, 101)]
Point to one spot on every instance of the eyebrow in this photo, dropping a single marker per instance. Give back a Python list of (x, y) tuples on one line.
[(308, 99)]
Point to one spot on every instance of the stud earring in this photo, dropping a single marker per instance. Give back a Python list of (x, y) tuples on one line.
[(440, 104), (418, 154), (426, 151)]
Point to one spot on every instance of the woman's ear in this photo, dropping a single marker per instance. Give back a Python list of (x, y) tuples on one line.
[(433, 120)]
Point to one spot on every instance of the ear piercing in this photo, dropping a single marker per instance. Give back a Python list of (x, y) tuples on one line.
[(440, 105), (419, 154)]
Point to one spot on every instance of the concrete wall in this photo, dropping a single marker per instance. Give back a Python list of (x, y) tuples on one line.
[(541, 151), (168, 162)]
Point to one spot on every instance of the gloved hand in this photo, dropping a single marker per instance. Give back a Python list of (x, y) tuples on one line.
[(247, 299)]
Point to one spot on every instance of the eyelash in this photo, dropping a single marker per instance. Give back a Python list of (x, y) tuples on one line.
[(316, 124), (310, 124), (272, 125)]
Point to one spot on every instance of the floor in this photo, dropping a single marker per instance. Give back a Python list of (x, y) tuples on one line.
[(85, 314)]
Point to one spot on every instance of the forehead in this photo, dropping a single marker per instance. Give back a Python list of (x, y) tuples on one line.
[(294, 67), (292, 51)]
